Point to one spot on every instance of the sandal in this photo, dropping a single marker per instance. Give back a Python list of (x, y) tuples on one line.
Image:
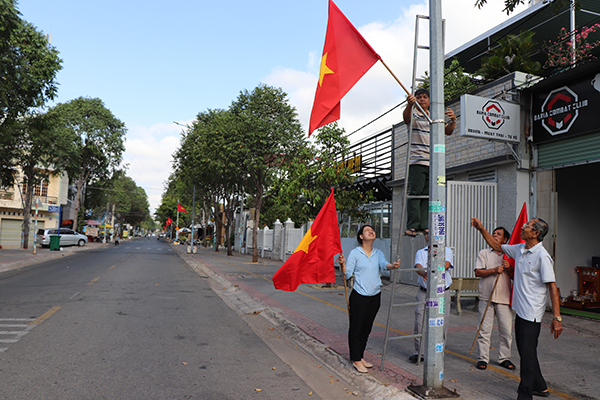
[(410, 232), (507, 364), (481, 365)]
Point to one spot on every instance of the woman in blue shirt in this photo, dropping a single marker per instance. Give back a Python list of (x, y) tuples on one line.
[(366, 263)]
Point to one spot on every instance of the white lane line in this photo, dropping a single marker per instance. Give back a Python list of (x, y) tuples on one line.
[(3, 349), (75, 295), (9, 340), (13, 325), (17, 319)]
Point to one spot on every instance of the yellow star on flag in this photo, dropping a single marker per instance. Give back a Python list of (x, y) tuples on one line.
[(324, 69), (306, 241)]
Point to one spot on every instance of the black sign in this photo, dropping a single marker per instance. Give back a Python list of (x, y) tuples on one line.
[(567, 110)]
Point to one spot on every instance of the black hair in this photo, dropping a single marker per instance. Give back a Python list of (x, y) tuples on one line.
[(422, 91), (504, 231), (360, 232)]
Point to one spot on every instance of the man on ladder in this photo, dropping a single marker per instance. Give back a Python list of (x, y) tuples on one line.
[(418, 174)]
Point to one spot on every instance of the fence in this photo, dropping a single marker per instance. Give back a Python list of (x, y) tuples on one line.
[(278, 243)]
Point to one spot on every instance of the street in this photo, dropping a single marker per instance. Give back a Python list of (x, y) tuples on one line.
[(133, 322)]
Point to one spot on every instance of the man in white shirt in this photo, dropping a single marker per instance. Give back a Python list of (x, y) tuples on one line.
[(534, 275), (494, 301), (421, 261)]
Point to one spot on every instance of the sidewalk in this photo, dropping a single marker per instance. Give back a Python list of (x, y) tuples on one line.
[(11, 259), (316, 318)]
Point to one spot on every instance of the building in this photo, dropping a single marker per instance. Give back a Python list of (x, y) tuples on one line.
[(52, 193)]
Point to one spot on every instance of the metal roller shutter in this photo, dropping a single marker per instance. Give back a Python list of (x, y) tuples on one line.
[(576, 150)]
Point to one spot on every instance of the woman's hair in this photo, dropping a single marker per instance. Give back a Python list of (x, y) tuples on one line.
[(360, 232)]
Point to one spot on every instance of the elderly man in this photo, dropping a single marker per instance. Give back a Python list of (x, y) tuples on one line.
[(534, 274), (494, 301)]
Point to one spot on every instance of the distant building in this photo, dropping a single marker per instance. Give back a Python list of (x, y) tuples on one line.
[(52, 193)]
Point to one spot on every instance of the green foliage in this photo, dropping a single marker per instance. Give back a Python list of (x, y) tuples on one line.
[(28, 67), (131, 201), (99, 140), (512, 54), (456, 81), (510, 5), (311, 176)]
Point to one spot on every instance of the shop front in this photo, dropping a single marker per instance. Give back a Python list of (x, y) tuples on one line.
[(566, 140)]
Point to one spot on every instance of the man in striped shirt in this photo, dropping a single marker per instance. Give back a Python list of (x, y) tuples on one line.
[(418, 174)]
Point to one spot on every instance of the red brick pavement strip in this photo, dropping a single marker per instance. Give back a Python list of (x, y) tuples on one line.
[(396, 376)]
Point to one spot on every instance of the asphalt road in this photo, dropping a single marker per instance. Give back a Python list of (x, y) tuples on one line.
[(131, 322)]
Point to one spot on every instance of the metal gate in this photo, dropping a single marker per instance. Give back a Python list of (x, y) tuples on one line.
[(465, 200)]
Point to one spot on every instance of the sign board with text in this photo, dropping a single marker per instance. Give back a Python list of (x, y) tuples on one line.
[(491, 119)]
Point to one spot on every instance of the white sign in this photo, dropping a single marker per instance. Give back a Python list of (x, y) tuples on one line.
[(490, 119)]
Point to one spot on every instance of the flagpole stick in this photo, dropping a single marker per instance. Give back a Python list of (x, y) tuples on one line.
[(484, 313), (406, 90), (346, 291)]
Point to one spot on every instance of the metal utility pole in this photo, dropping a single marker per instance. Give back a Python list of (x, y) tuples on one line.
[(435, 306)]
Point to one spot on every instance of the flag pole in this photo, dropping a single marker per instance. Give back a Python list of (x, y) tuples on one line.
[(484, 313), (346, 291), (406, 90)]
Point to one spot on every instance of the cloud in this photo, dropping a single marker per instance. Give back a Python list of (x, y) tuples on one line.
[(378, 92), (149, 156)]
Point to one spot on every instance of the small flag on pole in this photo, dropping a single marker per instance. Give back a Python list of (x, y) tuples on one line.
[(515, 238), (312, 261), (169, 221), (180, 208), (346, 58)]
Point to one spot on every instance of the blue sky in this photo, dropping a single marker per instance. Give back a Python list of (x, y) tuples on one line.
[(154, 62)]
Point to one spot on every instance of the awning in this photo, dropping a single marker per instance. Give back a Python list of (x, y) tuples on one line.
[(91, 222)]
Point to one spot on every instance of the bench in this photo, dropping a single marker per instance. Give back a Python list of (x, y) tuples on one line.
[(464, 287)]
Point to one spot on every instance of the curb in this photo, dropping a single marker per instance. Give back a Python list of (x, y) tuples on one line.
[(245, 304)]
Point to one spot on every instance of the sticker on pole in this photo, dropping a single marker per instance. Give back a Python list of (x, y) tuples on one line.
[(430, 303), (439, 226), (433, 322), (439, 348)]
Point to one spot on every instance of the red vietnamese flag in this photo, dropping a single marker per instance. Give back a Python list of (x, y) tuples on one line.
[(515, 238), (169, 221), (180, 208), (312, 261), (346, 58)]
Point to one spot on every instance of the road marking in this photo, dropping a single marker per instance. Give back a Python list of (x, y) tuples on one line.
[(93, 281), (113, 266), (44, 316), (75, 295)]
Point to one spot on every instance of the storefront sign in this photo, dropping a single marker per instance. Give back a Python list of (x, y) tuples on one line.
[(491, 119), (566, 110), (354, 164), (53, 209)]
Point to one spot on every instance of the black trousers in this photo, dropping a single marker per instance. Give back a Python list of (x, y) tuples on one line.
[(363, 310), (526, 335)]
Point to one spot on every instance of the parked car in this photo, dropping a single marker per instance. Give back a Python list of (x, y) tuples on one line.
[(68, 237)]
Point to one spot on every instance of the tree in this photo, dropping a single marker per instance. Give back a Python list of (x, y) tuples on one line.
[(28, 68), (456, 81), (510, 5), (512, 54), (99, 143), (267, 137), (131, 201), (208, 160), (311, 175), (42, 152), (560, 52)]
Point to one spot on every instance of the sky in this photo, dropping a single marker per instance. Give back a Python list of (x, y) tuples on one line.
[(154, 63)]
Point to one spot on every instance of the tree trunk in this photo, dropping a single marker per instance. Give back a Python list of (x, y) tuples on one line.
[(80, 180), (27, 208)]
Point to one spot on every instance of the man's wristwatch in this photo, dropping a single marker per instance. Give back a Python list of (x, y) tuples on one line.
[(559, 319)]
